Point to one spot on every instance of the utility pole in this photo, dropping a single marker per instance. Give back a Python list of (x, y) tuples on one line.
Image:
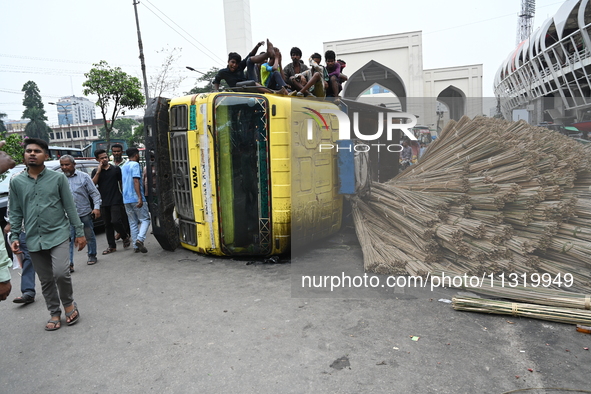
[(139, 39)]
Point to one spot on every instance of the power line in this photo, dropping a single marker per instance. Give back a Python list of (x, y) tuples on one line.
[(176, 31), (481, 21)]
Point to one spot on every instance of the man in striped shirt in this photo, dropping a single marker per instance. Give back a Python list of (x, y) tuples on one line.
[(84, 192)]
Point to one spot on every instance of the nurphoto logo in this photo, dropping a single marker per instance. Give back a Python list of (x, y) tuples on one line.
[(345, 129)]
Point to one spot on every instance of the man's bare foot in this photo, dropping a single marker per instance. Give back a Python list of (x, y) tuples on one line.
[(53, 324), (72, 314)]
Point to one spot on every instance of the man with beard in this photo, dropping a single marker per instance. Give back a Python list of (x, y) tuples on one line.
[(108, 178), (84, 191), (41, 199), (118, 160)]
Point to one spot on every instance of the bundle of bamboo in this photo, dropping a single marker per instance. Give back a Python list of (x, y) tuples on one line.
[(487, 196), (551, 313)]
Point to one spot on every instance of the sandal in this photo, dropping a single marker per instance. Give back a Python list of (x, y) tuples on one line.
[(75, 319), (57, 324), (127, 242), (109, 250)]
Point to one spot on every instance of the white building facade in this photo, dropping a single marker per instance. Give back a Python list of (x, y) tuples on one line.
[(395, 62), (74, 110)]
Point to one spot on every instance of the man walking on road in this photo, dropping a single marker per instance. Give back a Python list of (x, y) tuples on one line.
[(135, 201), (108, 178), (84, 191), (6, 163), (119, 161), (41, 199)]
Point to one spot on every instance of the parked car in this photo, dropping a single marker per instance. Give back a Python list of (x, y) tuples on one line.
[(86, 165)]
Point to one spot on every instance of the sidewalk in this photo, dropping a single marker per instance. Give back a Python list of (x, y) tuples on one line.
[(179, 322)]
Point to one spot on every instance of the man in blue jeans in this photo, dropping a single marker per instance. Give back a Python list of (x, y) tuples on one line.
[(28, 273), (84, 192), (135, 201)]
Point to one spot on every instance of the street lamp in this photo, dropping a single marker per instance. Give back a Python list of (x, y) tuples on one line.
[(65, 108), (192, 69)]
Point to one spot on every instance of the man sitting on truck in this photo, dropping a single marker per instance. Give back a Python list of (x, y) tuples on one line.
[(336, 77), (234, 73), (312, 82), (272, 74), (296, 66)]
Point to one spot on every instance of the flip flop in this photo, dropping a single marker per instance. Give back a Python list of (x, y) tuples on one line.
[(57, 324), (109, 250), (74, 320)]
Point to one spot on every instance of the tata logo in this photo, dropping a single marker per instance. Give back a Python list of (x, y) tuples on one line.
[(345, 124), (194, 173)]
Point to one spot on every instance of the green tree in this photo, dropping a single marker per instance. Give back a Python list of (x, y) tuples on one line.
[(36, 128), (2, 125), (116, 91), (32, 100), (14, 147), (122, 129), (138, 136), (208, 79)]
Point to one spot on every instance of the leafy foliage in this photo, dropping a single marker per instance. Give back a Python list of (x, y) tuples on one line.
[(208, 78), (124, 129), (116, 91), (14, 147), (32, 100), (137, 137), (36, 128), (2, 125)]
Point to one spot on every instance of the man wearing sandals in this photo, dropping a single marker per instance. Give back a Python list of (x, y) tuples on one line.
[(41, 200), (84, 192), (108, 178)]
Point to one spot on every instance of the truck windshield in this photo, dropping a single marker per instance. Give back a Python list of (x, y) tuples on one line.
[(241, 142)]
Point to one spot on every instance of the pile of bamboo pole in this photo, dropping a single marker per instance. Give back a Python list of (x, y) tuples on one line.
[(488, 196)]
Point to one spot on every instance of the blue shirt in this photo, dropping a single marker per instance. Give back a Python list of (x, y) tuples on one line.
[(129, 171)]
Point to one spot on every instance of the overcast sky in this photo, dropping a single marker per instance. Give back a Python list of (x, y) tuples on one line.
[(55, 42)]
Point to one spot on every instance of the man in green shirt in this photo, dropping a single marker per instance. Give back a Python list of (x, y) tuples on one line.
[(6, 163), (41, 198)]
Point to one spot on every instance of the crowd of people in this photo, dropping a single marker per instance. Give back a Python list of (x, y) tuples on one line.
[(264, 71), (51, 214)]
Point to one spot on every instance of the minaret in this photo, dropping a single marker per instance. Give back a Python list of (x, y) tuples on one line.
[(238, 32)]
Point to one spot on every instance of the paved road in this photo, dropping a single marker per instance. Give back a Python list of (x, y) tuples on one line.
[(185, 323)]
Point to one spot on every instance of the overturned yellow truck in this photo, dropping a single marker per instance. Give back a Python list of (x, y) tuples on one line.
[(241, 173)]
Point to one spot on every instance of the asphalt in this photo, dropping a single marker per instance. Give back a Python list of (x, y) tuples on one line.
[(180, 322)]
